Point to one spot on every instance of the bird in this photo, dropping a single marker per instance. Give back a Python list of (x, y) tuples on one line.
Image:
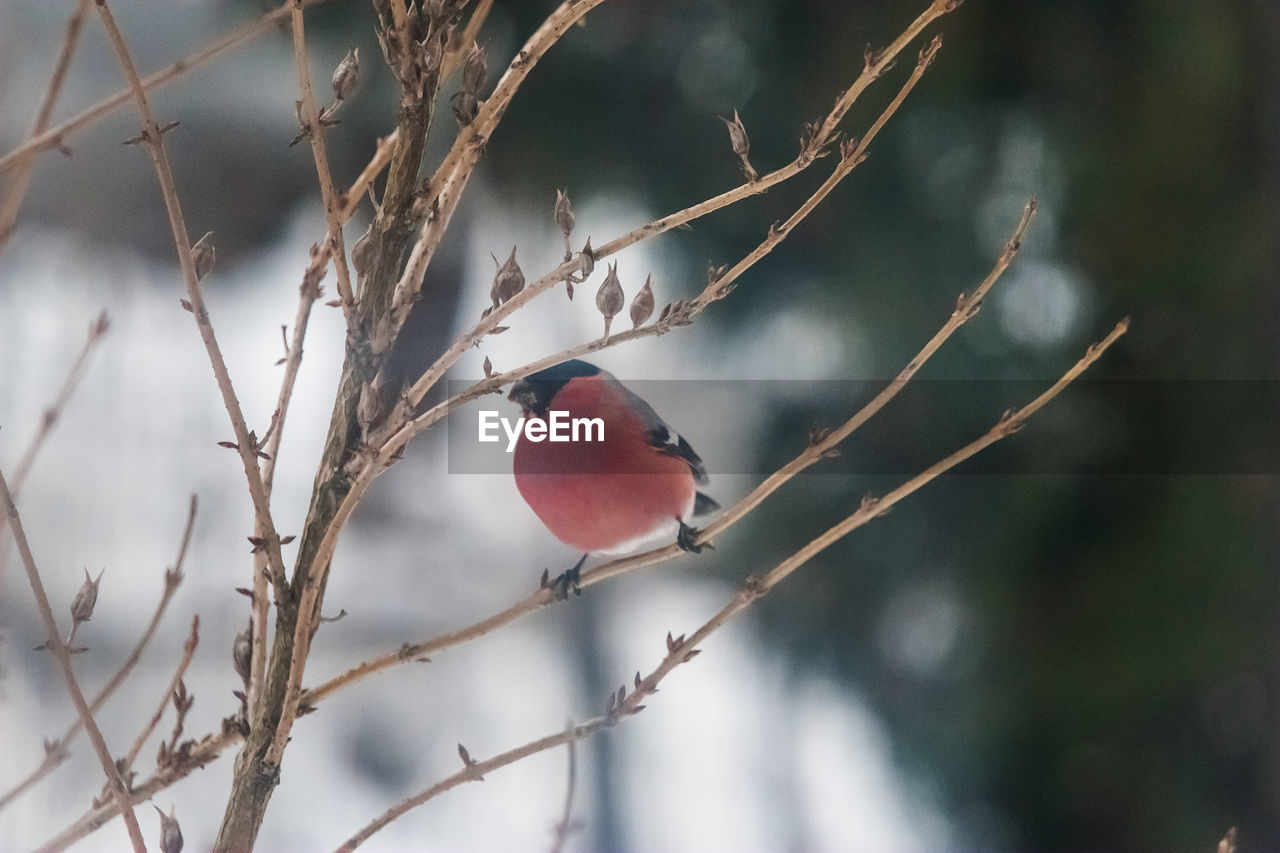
[(633, 485)]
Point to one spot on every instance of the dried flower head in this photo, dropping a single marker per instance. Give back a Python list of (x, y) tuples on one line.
[(508, 281), (241, 653), (346, 77), (170, 832), (564, 213), (737, 135), (86, 598), (474, 70), (610, 298), (204, 256), (642, 304)]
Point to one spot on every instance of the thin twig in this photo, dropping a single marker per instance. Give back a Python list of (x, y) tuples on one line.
[(188, 651), (21, 179), (966, 307), (246, 445), (49, 418), (681, 650), (202, 753), (564, 827), (332, 205), (461, 42), (490, 113), (851, 156), (388, 442), (53, 641), (445, 187), (308, 292), (56, 136), (56, 752)]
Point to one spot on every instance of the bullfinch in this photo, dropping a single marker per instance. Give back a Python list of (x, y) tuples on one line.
[(630, 482)]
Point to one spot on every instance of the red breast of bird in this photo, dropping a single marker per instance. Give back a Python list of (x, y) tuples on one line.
[(609, 496)]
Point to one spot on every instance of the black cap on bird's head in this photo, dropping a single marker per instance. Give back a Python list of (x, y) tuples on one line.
[(534, 392)]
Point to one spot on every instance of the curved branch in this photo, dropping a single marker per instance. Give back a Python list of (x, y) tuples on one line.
[(681, 650)]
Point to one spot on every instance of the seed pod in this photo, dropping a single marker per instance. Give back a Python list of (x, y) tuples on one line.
[(586, 260), (170, 832), (241, 653), (86, 599), (737, 135), (474, 70), (642, 305), (204, 256), (564, 213), (610, 298), (346, 77), (508, 281)]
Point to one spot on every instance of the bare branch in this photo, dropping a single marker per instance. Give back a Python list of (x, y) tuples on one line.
[(445, 187), (63, 657), (49, 419), (681, 650), (188, 650), (55, 137), (56, 752), (201, 753), (564, 827), (246, 445), (967, 307), (332, 205), (21, 180)]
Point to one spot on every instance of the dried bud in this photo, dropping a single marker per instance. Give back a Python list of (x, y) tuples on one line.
[(204, 256), (564, 213), (474, 70), (586, 260), (508, 281), (610, 298), (170, 832), (242, 652), (346, 77), (737, 135), (366, 249), (642, 305), (86, 598)]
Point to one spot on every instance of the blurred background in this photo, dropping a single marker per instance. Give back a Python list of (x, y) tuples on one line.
[(1072, 647)]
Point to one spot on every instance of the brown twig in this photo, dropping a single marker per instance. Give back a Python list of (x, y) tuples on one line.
[(56, 752), (21, 180), (246, 445), (445, 187), (56, 136), (201, 754), (681, 650), (53, 642), (459, 44), (564, 827), (391, 439), (308, 292), (188, 651), (332, 204), (49, 418), (851, 156), (966, 307)]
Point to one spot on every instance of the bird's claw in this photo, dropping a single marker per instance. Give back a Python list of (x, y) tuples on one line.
[(686, 537), (568, 581)]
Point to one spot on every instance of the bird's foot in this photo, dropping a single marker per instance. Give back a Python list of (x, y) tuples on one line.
[(686, 537), (568, 581)]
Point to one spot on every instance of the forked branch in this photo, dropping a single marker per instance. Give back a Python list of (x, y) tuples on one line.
[(681, 650)]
